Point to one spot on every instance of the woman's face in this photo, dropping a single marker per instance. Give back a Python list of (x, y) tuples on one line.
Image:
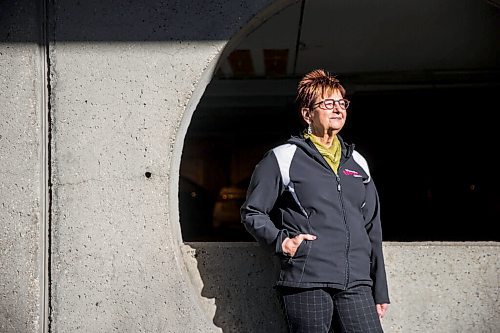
[(325, 121)]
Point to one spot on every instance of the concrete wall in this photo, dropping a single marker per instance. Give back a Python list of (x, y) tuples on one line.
[(434, 287), (124, 79), (21, 167)]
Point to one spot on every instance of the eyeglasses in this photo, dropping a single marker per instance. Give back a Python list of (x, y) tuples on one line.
[(330, 103)]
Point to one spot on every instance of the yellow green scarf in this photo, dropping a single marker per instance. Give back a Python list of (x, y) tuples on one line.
[(332, 154)]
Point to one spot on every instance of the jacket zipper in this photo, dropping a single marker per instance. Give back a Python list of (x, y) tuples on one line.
[(348, 235)]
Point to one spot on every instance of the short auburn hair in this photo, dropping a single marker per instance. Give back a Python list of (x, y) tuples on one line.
[(314, 84)]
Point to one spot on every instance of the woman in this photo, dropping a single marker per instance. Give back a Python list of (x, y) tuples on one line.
[(313, 202)]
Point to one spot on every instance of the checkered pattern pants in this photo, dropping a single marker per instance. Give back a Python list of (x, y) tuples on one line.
[(318, 310)]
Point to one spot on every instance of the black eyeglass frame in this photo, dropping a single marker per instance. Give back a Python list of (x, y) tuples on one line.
[(346, 101)]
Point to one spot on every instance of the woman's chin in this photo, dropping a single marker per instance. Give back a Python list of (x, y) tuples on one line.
[(335, 129)]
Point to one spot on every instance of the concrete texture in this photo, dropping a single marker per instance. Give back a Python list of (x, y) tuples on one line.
[(125, 78), (20, 167), (234, 283), (434, 287), (443, 287)]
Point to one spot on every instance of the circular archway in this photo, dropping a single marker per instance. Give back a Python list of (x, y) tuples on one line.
[(420, 92)]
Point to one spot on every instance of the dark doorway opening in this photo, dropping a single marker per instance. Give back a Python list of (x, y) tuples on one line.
[(431, 153), (429, 135)]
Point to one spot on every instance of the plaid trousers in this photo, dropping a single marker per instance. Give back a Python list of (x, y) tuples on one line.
[(315, 310)]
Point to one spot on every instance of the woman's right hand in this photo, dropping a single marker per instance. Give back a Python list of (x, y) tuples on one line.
[(290, 245)]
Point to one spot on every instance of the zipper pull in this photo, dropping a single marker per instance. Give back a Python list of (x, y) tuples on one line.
[(338, 183)]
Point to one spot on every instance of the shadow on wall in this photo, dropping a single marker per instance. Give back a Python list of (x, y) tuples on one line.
[(242, 289), (135, 21)]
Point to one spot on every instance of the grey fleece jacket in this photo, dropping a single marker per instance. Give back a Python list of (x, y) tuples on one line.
[(293, 190)]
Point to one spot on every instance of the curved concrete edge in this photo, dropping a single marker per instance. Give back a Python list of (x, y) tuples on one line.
[(184, 262), (119, 115), (434, 286), (176, 151)]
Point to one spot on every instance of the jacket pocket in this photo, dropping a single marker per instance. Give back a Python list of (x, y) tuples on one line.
[(293, 270), (303, 249), (300, 256)]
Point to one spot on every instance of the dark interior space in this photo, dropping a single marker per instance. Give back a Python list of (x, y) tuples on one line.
[(431, 153), (424, 82), (432, 157), (220, 151)]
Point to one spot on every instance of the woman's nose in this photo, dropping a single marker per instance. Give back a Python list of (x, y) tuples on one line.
[(336, 108)]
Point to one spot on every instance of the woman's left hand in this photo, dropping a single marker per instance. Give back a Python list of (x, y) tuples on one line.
[(381, 309)]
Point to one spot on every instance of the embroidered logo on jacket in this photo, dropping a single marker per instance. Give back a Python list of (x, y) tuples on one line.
[(353, 173)]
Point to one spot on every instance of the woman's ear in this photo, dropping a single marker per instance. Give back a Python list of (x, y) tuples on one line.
[(305, 114)]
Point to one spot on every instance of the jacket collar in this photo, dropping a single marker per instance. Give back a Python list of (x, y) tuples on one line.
[(309, 148)]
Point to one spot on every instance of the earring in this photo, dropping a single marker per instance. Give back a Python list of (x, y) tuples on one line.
[(309, 129)]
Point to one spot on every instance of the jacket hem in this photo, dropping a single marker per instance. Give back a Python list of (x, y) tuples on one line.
[(321, 284)]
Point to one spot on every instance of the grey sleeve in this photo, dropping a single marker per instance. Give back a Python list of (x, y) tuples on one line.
[(263, 191), (371, 211)]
